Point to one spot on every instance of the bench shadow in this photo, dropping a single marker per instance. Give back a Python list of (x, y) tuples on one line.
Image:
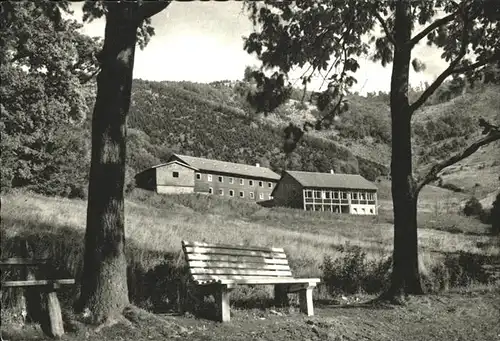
[(373, 304)]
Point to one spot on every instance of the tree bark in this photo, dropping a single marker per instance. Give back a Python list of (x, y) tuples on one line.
[(104, 282), (405, 274)]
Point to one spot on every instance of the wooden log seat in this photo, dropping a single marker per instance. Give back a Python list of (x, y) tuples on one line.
[(48, 287)]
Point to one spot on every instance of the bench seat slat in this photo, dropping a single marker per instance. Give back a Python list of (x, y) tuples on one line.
[(36, 282), (254, 280), (22, 261), (247, 272), (228, 258), (237, 278), (235, 247), (233, 252), (237, 265)]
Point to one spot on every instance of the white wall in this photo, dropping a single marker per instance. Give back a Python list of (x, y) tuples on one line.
[(363, 209), (174, 189)]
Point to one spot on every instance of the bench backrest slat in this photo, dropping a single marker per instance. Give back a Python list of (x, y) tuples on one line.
[(237, 265), (235, 247), (209, 262), (233, 252), (240, 259)]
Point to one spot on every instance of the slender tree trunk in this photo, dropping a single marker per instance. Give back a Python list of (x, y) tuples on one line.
[(405, 274), (104, 282)]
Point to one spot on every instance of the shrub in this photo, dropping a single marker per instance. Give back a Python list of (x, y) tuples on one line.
[(343, 275), (466, 268), (473, 207), (351, 272), (300, 106), (458, 271), (378, 279)]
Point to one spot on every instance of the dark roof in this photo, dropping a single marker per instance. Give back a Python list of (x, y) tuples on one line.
[(328, 180), (176, 162), (227, 167)]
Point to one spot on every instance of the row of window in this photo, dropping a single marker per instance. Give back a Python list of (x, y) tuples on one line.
[(336, 209), (220, 178), (242, 193), (328, 208), (317, 194), (362, 210)]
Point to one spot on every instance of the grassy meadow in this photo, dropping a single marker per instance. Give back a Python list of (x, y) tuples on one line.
[(156, 224)]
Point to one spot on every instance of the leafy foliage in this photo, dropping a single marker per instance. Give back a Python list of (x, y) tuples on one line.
[(366, 117), (43, 62), (452, 124), (352, 273), (473, 207), (327, 38), (34, 146)]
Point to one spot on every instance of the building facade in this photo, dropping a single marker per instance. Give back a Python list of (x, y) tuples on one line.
[(228, 179), (170, 177), (186, 174), (337, 193)]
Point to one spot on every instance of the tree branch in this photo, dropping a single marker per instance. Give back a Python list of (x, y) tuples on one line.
[(87, 78), (449, 70), (439, 22), (433, 87), (149, 8), (383, 23), (475, 65), (493, 135)]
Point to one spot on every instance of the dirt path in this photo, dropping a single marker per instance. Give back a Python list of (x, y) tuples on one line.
[(458, 317), (451, 317)]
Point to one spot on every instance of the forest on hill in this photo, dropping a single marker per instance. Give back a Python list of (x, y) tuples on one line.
[(198, 120), (47, 113), (215, 121)]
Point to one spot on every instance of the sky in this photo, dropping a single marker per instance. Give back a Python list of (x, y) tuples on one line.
[(203, 42)]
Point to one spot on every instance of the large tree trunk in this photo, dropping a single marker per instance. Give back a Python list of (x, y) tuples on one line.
[(405, 274), (104, 282)]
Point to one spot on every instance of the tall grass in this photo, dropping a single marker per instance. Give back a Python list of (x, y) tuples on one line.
[(156, 224)]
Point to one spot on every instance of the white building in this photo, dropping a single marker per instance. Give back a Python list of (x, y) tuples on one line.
[(337, 193)]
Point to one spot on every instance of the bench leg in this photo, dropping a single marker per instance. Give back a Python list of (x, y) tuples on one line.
[(222, 303), (306, 302), (281, 295), (55, 328)]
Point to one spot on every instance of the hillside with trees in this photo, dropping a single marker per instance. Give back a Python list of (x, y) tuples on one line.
[(46, 130), (204, 120), (215, 121), (46, 121)]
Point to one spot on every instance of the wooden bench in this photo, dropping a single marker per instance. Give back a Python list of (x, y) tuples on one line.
[(221, 267), (47, 287)]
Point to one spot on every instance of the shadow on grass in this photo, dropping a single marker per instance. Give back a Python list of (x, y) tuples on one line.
[(336, 304), (154, 277), (457, 231), (156, 280)]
